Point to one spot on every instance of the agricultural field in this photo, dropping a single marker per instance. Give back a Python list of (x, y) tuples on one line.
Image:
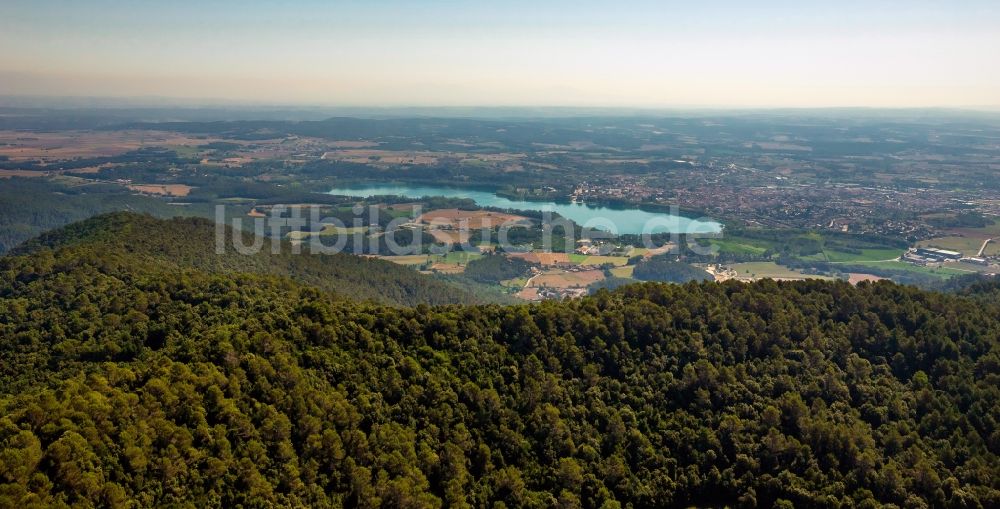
[(460, 257), (968, 246), (761, 270), (514, 283), (624, 271), (970, 267), (545, 259), (54, 146), (21, 173), (871, 254), (370, 156), (563, 279), (550, 259), (528, 294), (968, 241), (649, 253), (854, 278), (941, 272), (408, 259), (177, 190), (986, 232), (330, 229), (353, 144), (832, 249), (472, 219), (398, 210), (187, 151), (617, 261), (65, 145), (449, 236), (452, 262), (739, 246), (447, 268)]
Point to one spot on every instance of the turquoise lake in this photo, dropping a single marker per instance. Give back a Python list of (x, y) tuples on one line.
[(620, 221)]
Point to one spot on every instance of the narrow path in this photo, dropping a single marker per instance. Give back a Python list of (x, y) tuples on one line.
[(866, 261), (527, 284), (983, 249)]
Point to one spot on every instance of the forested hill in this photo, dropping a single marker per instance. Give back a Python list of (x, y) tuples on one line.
[(139, 386), (186, 243)]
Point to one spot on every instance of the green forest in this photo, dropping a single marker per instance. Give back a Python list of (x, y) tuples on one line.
[(140, 370), (30, 206), (191, 243), (664, 269)]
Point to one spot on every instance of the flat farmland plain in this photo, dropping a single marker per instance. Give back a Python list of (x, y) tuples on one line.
[(473, 219), (63, 145), (162, 189), (566, 279)]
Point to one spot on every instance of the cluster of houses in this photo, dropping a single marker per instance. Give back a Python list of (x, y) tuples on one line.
[(561, 293), (591, 248)]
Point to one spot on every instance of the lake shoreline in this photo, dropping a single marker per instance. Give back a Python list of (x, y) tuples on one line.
[(626, 220)]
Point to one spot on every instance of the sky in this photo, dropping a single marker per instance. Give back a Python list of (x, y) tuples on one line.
[(649, 54)]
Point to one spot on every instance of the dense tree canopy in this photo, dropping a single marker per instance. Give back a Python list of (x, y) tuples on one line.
[(494, 268), (192, 243), (129, 381), (30, 206), (664, 269)]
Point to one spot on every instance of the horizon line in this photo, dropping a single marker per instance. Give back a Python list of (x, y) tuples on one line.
[(157, 101)]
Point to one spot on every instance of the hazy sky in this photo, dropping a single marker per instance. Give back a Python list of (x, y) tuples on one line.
[(438, 52)]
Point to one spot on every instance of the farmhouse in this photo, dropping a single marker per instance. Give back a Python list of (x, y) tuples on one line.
[(939, 255)]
